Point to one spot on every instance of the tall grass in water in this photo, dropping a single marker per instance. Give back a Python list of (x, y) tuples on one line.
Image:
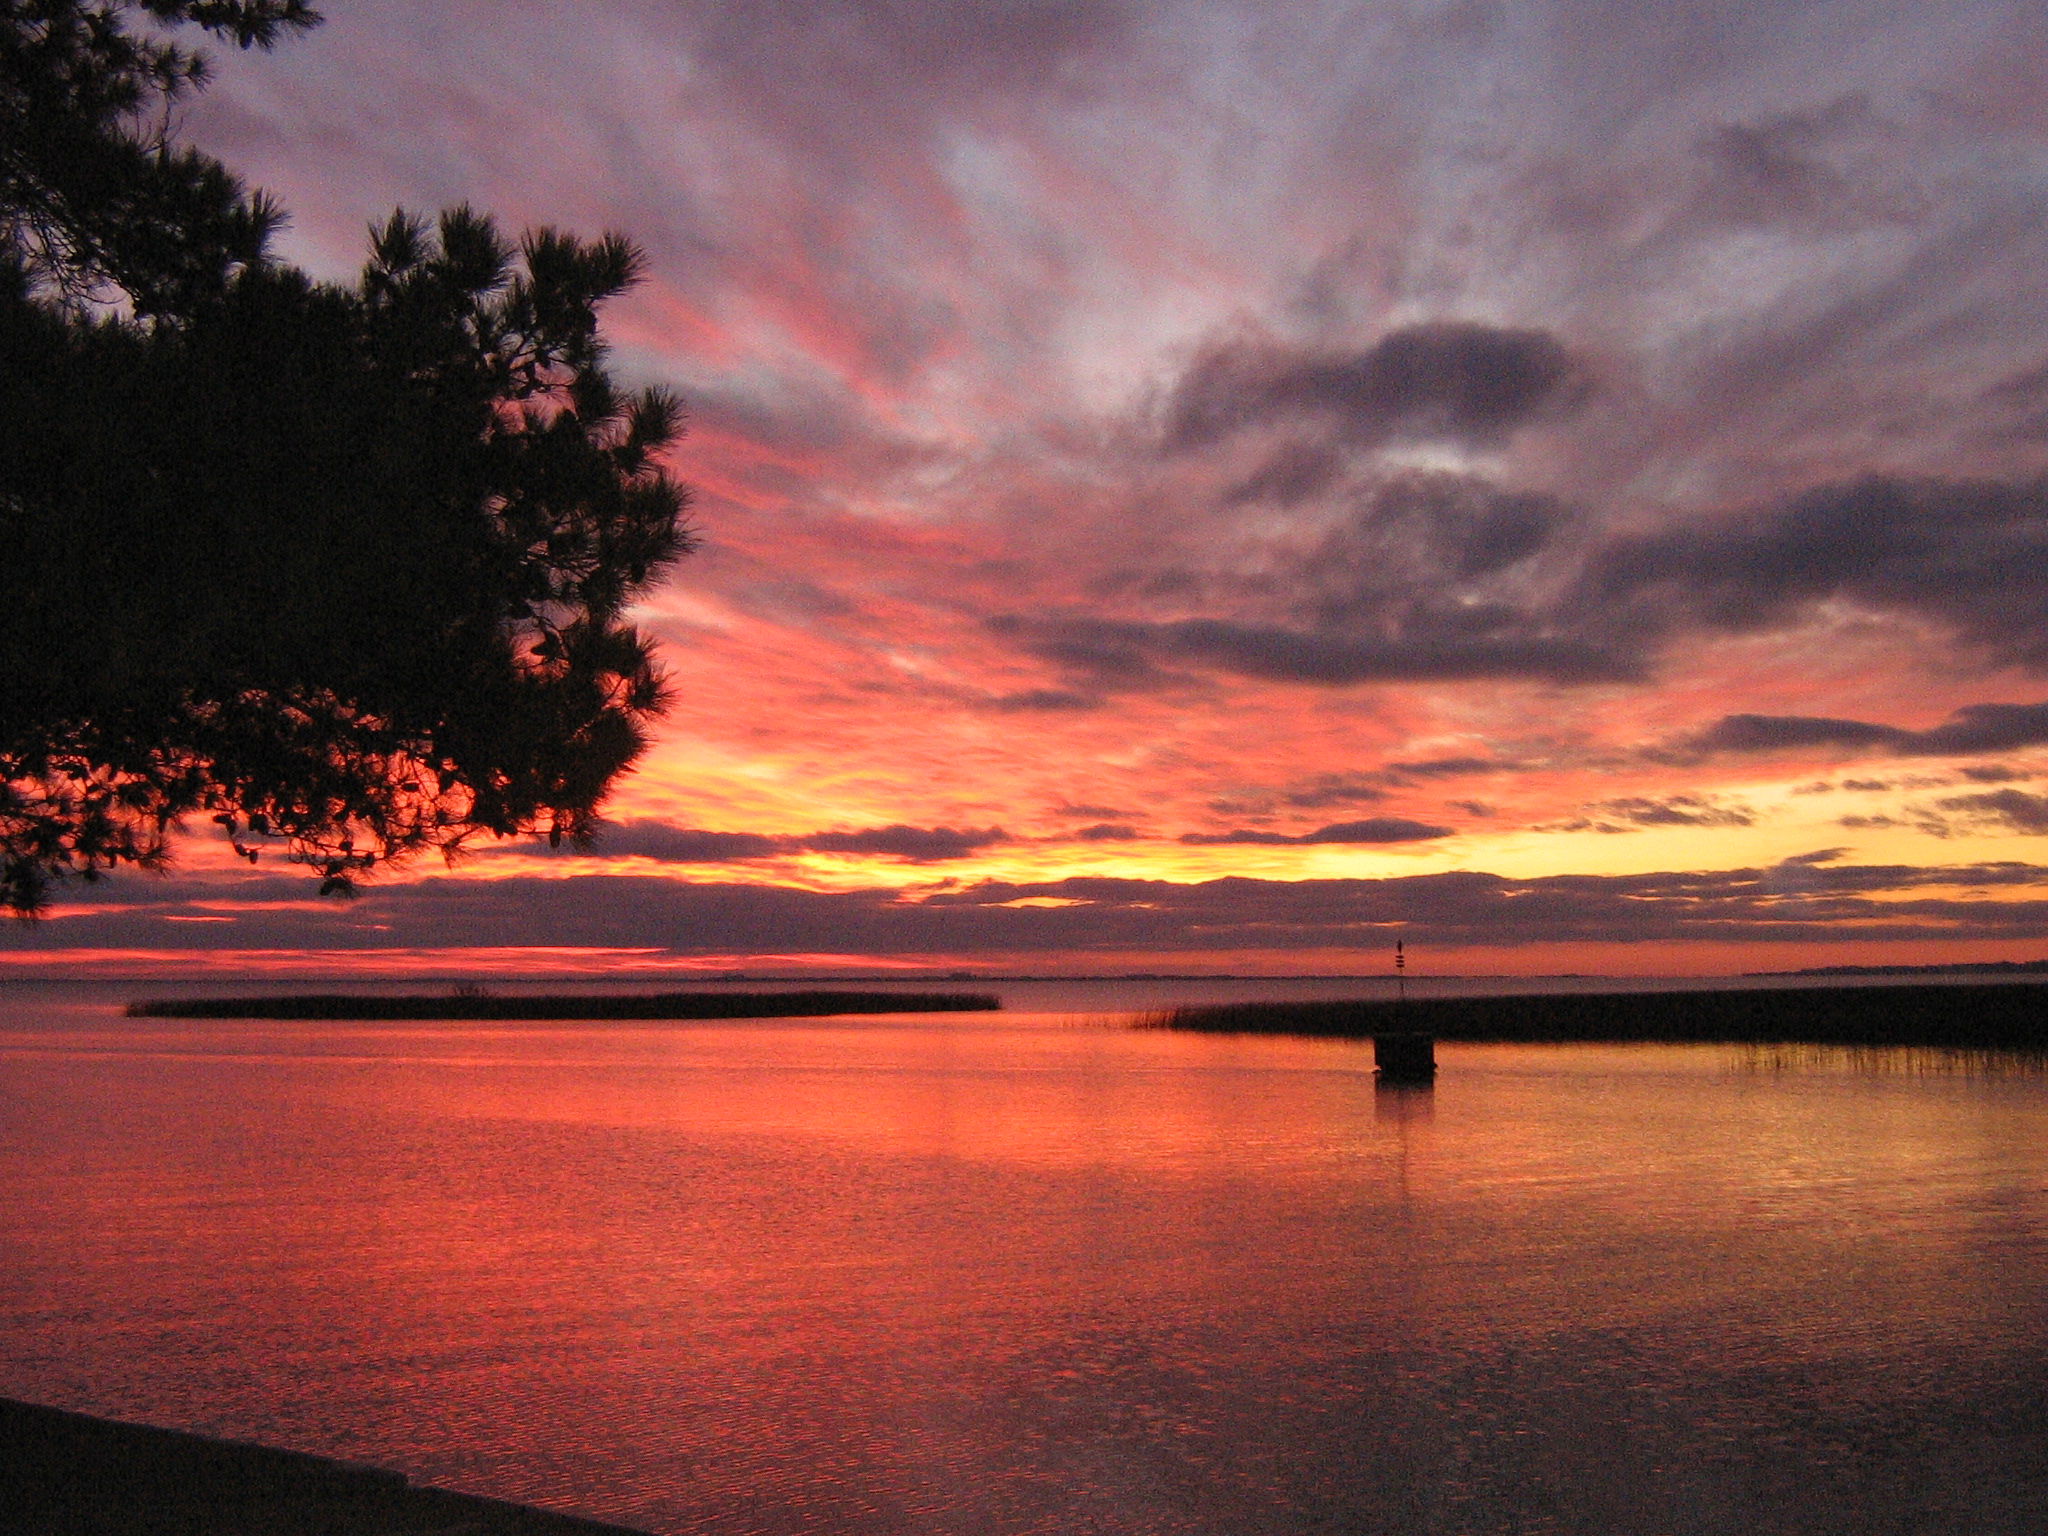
[(2005, 1016)]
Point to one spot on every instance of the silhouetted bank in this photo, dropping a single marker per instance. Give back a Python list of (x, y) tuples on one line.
[(1952, 968), (2011, 1016), (468, 1005), (67, 1474)]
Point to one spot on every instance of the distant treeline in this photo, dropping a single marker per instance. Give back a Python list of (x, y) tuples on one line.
[(1997, 1016), (472, 1005)]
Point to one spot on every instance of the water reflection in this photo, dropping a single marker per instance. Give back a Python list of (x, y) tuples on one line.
[(1402, 1102), (1013, 1276), (1892, 1061)]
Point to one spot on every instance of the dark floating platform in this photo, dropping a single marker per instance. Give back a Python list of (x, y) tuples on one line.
[(67, 1474), (471, 1005), (1995, 1016), (1404, 1058)]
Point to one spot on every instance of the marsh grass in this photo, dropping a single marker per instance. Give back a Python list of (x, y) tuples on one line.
[(2001, 1016)]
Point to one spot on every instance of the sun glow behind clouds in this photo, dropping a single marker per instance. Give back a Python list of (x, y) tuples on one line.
[(1205, 443)]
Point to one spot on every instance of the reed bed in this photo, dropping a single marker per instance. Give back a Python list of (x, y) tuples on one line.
[(2004, 1016)]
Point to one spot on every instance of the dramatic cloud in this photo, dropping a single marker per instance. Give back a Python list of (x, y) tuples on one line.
[(1450, 767), (1474, 383), (1970, 730), (1397, 593), (1374, 829), (1808, 899), (681, 845), (1971, 555), (2012, 808), (1116, 417), (922, 844), (689, 845), (1450, 645), (1043, 699), (1674, 811), (1108, 832), (1631, 813), (1326, 789)]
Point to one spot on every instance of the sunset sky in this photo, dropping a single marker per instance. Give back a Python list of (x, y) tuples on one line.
[(1218, 487)]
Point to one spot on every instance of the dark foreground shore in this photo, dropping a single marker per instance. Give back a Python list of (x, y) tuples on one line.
[(472, 1005), (65, 1474), (1994, 1016)]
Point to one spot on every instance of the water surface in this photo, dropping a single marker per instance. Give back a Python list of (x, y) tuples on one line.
[(1036, 1273)]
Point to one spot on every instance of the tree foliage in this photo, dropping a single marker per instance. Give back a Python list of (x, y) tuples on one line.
[(342, 567)]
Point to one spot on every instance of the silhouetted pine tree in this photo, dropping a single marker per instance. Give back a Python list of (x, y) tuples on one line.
[(339, 567)]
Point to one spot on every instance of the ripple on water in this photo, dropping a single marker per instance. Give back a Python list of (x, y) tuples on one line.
[(1011, 1278)]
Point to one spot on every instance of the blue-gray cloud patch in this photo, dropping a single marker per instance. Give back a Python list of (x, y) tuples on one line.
[(1373, 829), (920, 844), (1445, 379), (1800, 901), (1968, 731), (1970, 554), (2011, 809), (1108, 832), (683, 845), (668, 844)]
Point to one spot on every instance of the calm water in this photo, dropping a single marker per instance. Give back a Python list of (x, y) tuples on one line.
[(1034, 1273)]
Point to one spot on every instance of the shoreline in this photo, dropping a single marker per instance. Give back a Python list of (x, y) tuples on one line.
[(563, 1006), (75, 1474), (1990, 1015), (1969, 970)]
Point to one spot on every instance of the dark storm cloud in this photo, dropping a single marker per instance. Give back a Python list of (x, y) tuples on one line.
[(1972, 729), (1446, 379), (1799, 900), (1374, 829), (1971, 555)]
